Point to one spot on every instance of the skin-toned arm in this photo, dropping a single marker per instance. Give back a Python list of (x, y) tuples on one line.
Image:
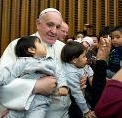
[(118, 76), (109, 104)]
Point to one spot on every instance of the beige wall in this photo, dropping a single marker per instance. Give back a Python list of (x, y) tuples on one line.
[(17, 17)]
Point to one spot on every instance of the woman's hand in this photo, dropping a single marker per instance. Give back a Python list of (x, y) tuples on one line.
[(104, 48)]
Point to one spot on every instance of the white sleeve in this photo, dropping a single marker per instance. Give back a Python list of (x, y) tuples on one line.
[(20, 88), (15, 95)]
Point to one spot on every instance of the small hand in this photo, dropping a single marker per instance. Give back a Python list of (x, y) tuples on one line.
[(63, 91), (90, 114), (83, 82)]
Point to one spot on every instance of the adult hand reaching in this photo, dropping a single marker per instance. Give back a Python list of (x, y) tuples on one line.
[(104, 48)]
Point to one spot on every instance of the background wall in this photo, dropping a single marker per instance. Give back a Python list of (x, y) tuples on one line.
[(17, 17)]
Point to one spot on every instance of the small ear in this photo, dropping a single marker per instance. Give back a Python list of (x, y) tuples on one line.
[(74, 60), (31, 50)]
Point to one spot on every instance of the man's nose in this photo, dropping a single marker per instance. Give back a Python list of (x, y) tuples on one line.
[(53, 30)]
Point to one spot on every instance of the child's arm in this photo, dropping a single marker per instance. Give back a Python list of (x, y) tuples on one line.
[(62, 86), (74, 85), (89, 73)]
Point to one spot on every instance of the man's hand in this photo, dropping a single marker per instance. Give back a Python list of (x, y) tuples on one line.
[(45, 85)]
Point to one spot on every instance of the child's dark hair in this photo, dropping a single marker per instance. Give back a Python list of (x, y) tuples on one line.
[(21, 48), (118, 28), (71, 50)]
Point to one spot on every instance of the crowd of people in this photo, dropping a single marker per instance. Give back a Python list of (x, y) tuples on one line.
[(48, 75)]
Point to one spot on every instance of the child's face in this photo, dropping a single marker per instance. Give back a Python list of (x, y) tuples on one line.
[(95, 42), (86, 45), (40, 50), (116, 38), (80, 36), (81, 60)]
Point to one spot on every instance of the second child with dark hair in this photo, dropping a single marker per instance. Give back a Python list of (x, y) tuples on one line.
[(74, 58), (115, 56), (34, 62)]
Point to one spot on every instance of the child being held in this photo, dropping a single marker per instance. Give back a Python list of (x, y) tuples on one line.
[(74, 57), (33, 62), (115, 56)]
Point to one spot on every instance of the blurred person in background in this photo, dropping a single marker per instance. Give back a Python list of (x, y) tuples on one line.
[(63, 32), (48, 24)]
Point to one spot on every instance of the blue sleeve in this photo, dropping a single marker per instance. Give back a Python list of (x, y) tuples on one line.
[(74, 85)]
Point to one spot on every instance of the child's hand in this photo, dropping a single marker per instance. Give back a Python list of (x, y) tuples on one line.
[(63, 91), (83, 81), (90, 114)]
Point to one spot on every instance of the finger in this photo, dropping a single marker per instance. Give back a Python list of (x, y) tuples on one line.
[(107, 40), (102, 41), (82, 84), (83, 81)]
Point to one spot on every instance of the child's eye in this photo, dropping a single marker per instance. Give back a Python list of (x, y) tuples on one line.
[(118, 37)]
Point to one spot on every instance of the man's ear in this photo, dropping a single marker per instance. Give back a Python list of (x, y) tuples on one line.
[(31, 50), (38, 24)]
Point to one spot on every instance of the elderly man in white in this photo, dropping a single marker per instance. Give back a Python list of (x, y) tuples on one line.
[(19, 93)]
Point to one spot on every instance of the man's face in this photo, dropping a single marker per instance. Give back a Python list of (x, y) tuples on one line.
[(48, 27), (95, 42), (63, 32)]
